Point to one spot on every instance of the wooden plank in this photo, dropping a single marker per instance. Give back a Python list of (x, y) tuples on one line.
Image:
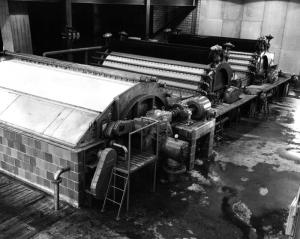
[(24, 211), (17, 204)]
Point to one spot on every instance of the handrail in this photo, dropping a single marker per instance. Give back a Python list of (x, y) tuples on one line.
[(72, 50), (154, 122), (292, 225), (123, 147)]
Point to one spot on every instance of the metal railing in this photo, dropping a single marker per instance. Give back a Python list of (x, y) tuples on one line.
[(293, 222), (67, 52), (154, 122)]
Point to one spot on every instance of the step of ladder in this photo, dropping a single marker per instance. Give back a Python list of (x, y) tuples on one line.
[(111, 190)]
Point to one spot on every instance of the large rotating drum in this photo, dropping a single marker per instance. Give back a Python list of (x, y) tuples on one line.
[(175, 74), (181, 68), (199, 106)]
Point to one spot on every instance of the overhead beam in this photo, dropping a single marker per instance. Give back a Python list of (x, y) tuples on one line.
[(114, 2), (174, 3), (178, 3), (46, 1)]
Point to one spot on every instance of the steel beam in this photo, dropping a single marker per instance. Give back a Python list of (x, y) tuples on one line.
[(114, 2), (177, 3), (182, 3), (147, 22)]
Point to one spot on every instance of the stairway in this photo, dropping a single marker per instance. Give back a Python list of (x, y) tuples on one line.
[(121, 172)]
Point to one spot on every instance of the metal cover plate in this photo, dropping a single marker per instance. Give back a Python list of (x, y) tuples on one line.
[(65, 86), (45, 118), (100, 180)]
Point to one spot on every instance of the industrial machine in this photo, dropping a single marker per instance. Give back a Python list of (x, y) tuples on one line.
[(251, 60), (116, 122), (187, 70)]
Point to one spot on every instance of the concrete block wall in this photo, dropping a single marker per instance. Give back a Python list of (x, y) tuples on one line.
[(35, 161), (251, 19), (160, 17), (186, 25)]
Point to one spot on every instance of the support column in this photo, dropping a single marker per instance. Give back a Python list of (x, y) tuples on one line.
[(97, 24), (69, 18), (15, 27), (147, 27), (195, 17), (69, 23)]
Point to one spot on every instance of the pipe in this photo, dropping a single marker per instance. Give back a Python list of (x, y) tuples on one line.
[(57, 180), (120, 146), (60, 172)]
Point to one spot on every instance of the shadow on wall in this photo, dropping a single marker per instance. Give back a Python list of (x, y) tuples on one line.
[(116, 18), (89, 19), (46, 26), (1, 43)]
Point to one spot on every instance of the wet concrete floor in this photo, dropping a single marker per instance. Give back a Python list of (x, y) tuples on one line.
[(257, 163)]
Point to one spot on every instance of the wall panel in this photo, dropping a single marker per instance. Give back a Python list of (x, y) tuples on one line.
[(212, 27), (252, 19), (250, 29), (291, 36), (253, 10), (274, 21), (231, 28), (233, 10), (211, 9)]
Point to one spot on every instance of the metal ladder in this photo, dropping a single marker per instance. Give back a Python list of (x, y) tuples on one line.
[(112, 188), (132, 163)]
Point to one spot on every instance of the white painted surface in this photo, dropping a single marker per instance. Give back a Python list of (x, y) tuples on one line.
[(44, 118), (74, 88)]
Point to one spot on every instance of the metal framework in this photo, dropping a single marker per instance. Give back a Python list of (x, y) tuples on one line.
[(133, 162)]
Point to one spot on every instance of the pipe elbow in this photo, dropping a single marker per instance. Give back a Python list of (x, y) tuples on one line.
[(124, 148), (59, 172)]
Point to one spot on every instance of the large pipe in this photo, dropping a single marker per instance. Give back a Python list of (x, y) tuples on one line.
[(57, 180)]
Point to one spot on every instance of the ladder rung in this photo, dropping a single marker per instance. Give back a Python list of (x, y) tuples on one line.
[(112, 201), (120, 189), (119, 175)]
